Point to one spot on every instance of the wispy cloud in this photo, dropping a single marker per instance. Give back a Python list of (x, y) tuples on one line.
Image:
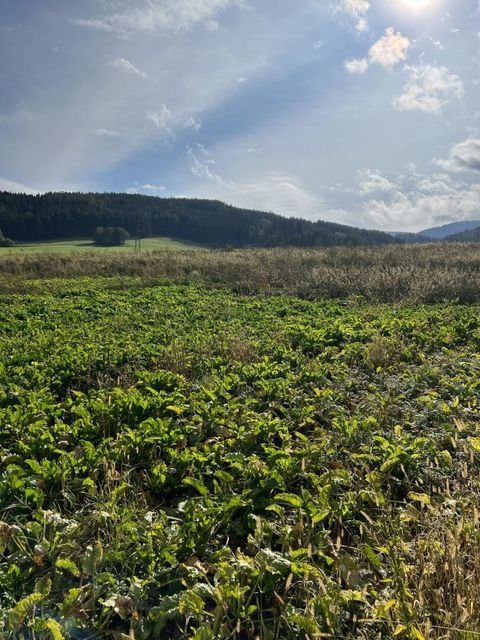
[(274, 191), (192, 123), (430, 88), (150, 189), (202, 164), (106, 133), (128, 67), (152, 16), (358, 9), (162, 118)]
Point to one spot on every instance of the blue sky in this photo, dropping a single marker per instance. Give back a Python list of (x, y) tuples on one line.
[(364, 112)]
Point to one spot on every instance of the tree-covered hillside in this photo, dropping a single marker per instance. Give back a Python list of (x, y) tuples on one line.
[(472, 235), (28, 218)]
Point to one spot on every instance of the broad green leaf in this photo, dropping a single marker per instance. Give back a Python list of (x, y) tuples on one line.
[(44, 586), (23, 608), (289, 498), (67, 565), (197, 485), (174, 409), (272, 561), (191, 602), (55, 630), (419, 497)]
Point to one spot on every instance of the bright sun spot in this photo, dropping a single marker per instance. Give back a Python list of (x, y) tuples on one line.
[(417, 4)]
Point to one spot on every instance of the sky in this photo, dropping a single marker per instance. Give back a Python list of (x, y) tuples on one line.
[(363, 112)]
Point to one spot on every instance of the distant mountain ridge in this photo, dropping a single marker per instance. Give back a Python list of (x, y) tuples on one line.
[(446, 230), (472, 235), (51, 216)]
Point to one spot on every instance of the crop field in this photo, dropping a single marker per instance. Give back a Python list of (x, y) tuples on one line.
[(183, 462), (75, 246)]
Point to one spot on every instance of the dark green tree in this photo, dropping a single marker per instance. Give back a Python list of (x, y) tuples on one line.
[(110, 236), (5, 242)]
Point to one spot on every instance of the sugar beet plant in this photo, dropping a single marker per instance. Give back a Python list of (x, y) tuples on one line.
[(182, 463)]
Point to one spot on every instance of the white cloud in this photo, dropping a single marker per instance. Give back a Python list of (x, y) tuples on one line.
[(278, 192), (388, 51), (149, 189), (358, 9), (281, 193), (202, 163), (391, 49), (373, 182), (152, 16), (437, 44), (417, 210), (192, 123), (439, 184), (153, 188), (162, 119), (430, 88), (356, 65), (106, 133), (464, 156), (125, 65), (15, 187)]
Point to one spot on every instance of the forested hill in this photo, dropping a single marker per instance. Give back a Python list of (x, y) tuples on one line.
[(471, 235), (27, 218)]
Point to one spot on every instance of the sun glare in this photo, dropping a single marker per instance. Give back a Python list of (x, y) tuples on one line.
[(417, 4)]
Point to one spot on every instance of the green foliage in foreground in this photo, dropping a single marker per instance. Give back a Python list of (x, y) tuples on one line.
[(182, 463)]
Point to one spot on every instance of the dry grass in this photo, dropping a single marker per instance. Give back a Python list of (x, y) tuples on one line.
[(420, 273)]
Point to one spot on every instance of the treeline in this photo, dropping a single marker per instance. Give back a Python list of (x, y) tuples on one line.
[(472, 235), (51, 216)]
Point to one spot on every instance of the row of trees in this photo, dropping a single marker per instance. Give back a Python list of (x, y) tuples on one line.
[(212, 223)]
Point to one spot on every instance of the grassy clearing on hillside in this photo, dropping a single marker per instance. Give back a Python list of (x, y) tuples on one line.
[(179, 462), (81, 245), (421, 273)]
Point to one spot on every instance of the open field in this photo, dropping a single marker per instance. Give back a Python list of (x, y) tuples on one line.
[(183, 462), (81, 245), (420, 273)]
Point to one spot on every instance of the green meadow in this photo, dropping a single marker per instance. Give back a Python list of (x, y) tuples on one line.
[(81, 245)]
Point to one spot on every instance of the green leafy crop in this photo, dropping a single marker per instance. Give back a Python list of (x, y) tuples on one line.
[(185, 463)]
